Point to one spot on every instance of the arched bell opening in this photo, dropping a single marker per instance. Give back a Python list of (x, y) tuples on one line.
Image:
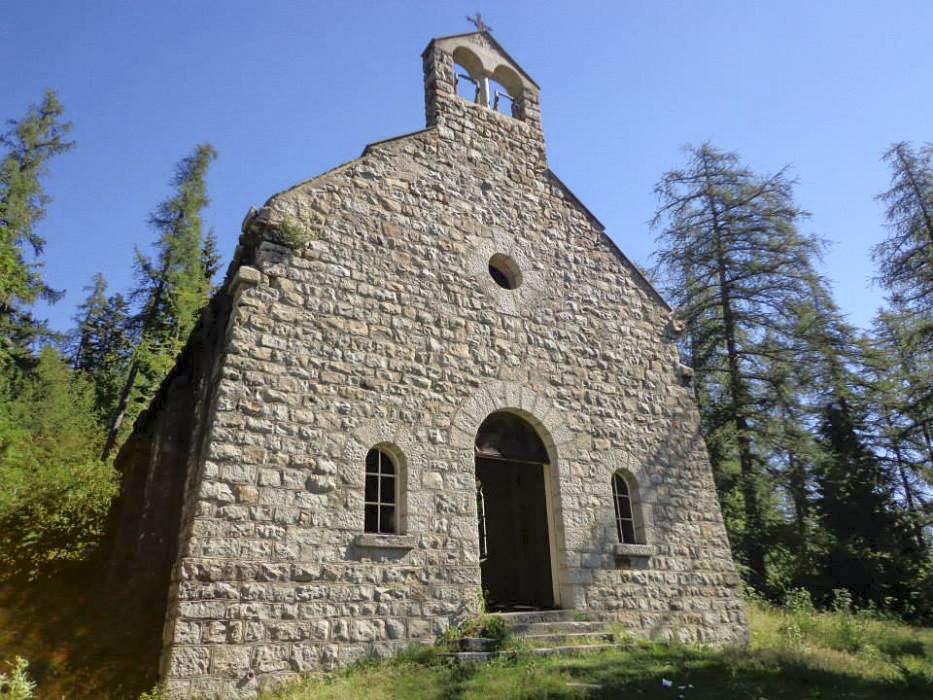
[(469, 76), (506, 92), (515, 523)]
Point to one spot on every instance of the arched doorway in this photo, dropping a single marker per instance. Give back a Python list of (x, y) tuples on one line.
[(512, 508)]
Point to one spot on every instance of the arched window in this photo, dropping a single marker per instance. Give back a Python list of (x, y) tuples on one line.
[(625, 514), (381, 495)]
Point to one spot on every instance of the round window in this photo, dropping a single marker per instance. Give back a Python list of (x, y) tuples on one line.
[(504, 270)]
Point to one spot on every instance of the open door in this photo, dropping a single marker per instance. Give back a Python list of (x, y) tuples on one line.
[(512, 508)]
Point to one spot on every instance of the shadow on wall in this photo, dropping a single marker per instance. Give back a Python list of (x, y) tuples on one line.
[(673, 448)]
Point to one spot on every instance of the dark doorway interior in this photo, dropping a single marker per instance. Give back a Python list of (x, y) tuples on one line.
[(510, 463)]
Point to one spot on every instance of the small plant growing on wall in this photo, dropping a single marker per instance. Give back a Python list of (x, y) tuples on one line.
[(290, 233)]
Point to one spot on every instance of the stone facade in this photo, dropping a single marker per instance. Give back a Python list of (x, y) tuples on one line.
[(386, 329)]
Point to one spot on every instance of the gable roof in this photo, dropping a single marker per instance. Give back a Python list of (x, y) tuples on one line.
[(612, 244)]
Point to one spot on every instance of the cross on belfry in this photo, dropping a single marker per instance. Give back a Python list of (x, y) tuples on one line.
[(481, 26)]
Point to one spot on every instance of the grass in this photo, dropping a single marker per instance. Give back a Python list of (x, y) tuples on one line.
[(77, 651), (793, 654)]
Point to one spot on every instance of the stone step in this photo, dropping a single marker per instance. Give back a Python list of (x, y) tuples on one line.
[(527, 617), (568, 626), (571, 650), (544, 632), (477, 657), (476, 643), (567, 639), (558, 639)]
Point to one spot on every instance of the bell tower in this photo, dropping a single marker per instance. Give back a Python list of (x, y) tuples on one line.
[(475, 69)]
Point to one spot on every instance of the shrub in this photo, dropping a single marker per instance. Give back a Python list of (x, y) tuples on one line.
[(798, 600), (290, 234), (16, 685), (488, 626), (54, 491)]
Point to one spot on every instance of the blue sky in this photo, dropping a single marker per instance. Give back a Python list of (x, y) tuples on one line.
[(287, 90)]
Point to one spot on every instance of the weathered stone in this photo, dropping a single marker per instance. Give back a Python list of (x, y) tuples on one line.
[(389, 330)]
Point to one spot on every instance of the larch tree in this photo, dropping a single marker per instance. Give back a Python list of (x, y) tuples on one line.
[(871, 548), (738, 269), (173, 288), (897, 365), (103, 344), (905, 266), (905, 257), (30, 143)]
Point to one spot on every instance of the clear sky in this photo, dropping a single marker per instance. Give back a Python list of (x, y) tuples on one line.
[(287, 90)]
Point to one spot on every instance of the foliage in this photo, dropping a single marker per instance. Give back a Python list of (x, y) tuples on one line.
[(905, 257), (17, 685), (740, 272), (173, 288), (819, 440), (104, 344), (30, 143), (871, 549), (79, 641), (489, 626), (291, 234), (484, 625), (899, 374), (54, 492)]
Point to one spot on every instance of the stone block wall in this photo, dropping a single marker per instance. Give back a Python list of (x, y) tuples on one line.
[(387, 329)]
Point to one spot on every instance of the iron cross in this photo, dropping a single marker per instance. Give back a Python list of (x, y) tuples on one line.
[(481, 26)]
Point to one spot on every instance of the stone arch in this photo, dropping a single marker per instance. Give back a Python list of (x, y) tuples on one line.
[(500, 395), (510, 80), (559, 441), (470, 61)]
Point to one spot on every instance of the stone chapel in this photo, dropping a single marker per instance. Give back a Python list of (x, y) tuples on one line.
[(430, 378)]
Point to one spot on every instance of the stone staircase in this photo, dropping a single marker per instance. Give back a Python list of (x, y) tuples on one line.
[(542, 633)]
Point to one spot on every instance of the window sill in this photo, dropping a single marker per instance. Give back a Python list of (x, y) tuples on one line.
[(632, 550), (381, 541)]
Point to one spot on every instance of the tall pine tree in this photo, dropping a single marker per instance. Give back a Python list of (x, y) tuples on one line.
[(103, 344), (737, 267), (871, 547), (905, 260), (905, 257), (30, 143), (173, 288)]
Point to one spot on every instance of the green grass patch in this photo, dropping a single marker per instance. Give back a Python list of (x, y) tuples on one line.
[(793, 654)]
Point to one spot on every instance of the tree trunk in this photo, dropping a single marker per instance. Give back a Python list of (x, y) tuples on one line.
[(798, 493), (753, 519), (120, 412)]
